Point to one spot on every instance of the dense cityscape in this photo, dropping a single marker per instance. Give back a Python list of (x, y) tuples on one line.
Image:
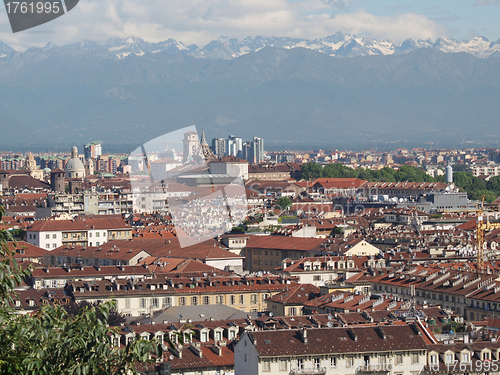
[(382, 257), (279, 187)]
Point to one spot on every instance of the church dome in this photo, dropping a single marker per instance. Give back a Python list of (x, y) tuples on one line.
[(74, 167)]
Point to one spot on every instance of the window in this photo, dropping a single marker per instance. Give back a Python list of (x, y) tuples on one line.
[(143, 303), (349, 362), (486, 355), (97, 243), (333, 363), (218, 335), (242, 301), (266, 365), (317, 364), (54, 236), (434, 359), (253, 299), (154, 302), (204, 337), (399, 359), (206, 300), (316, 277), (292, 311), (127, 303), (90, 234), (283, 365), (47, 236), (167, 301), (47, 246), (194, 300), (219, 300), (182, 301), (232, 299), (449, 358), (97, 234), (465, 357), (414, 358), (54, 245)]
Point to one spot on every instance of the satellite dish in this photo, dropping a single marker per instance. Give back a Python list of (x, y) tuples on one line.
[(425, 302), (171, 357), (330, 317), (271, 314), (329, 324)]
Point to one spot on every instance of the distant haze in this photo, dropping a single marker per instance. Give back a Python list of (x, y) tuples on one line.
[(337, 92)]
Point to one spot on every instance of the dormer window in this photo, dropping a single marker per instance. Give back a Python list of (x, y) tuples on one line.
[(204, 336), (218, 335)]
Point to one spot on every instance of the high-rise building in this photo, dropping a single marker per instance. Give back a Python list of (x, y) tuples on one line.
[(219, 147), (234, 146), (93, 150), (258, 149), (255, 151)]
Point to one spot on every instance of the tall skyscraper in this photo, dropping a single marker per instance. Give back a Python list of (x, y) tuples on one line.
[(255, 151), (219, 147), (93, 150), (258, 149), (234, 146)]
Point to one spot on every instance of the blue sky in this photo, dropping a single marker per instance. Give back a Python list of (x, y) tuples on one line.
[(199, 21)]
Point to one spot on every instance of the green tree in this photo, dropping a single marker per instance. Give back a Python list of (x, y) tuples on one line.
[(311, 171), (283, 203), (115, 318), (52, 342)]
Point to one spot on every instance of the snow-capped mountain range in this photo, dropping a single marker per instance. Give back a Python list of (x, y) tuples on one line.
[(340, 45)]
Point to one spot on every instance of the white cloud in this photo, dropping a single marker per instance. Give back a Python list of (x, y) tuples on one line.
[(200, 21), (487, 2)]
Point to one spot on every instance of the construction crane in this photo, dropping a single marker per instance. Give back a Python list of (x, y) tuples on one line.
[(481, 227)]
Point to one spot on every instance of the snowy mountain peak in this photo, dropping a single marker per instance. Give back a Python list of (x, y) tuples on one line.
[(340, 44)]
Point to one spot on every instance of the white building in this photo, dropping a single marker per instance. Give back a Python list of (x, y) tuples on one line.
[(388, 349), (50, 234)]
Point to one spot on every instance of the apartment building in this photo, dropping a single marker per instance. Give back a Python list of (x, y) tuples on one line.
[(136, 298), (474, 296), (81, 231), (400, 349)]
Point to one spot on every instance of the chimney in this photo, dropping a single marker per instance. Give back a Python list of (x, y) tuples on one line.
[(303, 334), (217, 349), (352, 334), (196, 349)]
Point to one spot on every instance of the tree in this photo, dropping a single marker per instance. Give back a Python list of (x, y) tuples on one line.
[(115, 318), (52, 342), (283, 203)]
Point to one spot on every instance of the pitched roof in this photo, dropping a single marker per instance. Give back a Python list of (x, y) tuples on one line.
[(338, 340), (296, 295), (338, 183), (81, 223), (285, 243)]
